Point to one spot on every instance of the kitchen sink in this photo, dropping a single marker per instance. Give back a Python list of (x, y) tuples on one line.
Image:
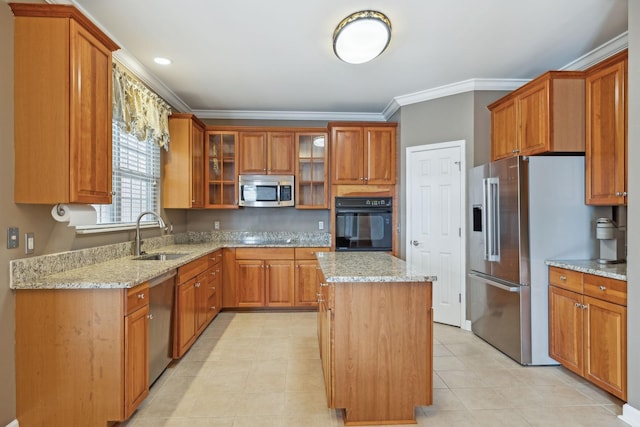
[(161, 256), (266, 241)]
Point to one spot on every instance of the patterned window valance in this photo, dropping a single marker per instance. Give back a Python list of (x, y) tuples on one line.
[(143, 113)]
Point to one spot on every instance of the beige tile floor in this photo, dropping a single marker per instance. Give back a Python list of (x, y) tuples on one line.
[(263, 370)]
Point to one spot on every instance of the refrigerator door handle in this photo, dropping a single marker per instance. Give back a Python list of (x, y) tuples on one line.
[(495, 284), (491, 230)]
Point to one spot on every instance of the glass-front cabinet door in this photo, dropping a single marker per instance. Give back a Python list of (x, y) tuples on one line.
[(221, 177), (311, 170)]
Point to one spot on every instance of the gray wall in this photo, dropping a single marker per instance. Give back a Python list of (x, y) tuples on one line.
[(633, 210), (458, 117), (259, 219)]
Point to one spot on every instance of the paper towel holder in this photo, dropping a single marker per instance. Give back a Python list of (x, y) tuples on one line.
[(60, 209)]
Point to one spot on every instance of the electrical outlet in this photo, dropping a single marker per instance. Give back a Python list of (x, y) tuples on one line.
[(13, 239), (216, 225), (320, 225), (29, 243)]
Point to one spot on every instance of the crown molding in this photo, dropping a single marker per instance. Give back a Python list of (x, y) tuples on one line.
[(451, 89), (288, 115), (610, 48)]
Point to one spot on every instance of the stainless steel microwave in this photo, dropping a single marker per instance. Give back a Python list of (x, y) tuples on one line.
[(266, 190)]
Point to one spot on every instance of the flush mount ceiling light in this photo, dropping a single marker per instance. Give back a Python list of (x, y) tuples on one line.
[(361, 36)]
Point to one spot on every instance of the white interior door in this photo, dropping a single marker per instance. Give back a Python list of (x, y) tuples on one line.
[(435, 243)]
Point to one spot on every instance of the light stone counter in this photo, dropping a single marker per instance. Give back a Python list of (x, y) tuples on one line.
[(612, 271), (113, 266), (368, 267)]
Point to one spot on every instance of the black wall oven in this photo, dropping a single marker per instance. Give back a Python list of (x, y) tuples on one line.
[(364, 224)]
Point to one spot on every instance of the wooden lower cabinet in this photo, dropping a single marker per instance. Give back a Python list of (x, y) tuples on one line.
[(588, 329), (376, 344), (197, 301), (305, 284), (81, 355)]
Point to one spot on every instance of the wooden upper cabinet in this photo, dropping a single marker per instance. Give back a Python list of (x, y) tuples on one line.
[(364, 154), (266, 153), (606, 145), (62, 122), (311, 170), (545, 115), (183, 166)]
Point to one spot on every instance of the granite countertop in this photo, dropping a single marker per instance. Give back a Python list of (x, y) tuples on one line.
[(368, 267), (591, 266), (94, 269)]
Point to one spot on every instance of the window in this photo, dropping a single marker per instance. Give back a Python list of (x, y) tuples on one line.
[(136, 179)]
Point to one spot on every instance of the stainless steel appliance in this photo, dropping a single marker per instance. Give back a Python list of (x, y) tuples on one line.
[(266, 190), (161, 297), (525, 210), (363, 224), (612, 241)]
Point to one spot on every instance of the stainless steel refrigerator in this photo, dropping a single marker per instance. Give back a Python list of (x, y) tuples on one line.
[(525, 210)]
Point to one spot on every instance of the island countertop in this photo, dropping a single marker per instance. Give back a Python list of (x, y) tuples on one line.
[(340, 267)]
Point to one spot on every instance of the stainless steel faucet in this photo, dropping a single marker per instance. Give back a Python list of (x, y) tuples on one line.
[(161, 224)]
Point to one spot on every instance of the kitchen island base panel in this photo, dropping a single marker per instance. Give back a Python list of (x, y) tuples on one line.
[(383, 338), (345, 417)]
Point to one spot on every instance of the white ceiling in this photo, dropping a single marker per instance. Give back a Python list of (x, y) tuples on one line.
[(255, 58)]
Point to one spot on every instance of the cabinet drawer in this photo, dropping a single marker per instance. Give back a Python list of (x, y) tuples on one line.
[(308, 253), (604, 288), (265, 253), (215, 258), (192, 269), (566, 279), (136, 297)]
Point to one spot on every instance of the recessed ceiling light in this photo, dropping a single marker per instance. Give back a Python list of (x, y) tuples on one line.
[(162, 61)]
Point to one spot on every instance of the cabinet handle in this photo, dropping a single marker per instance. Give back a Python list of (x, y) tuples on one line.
[(584, 306), (366, 179), (320, 299), (213, 287), (113, 193), (197, 284), (140, 296), (213, 307), (563, 277), (578, 304), (213, 273), (624, 193), (361, 179), (602, 288), (150, 316), (515, 150), (324, 284)]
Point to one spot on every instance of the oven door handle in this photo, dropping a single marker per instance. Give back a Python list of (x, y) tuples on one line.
[(363, 210)]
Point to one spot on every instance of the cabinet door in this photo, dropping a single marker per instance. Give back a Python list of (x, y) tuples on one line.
[(186, 316), (90, 116), (606, 144), (311, 171), (280, 151), (136, 363), (503, 130), (280, 277), (252, 151), (533, 114), (201, 302), (566, 328), (380, 155), (606, 346), (250, 283), (306, 283), (220, 169), (347, 153), (197, 166)]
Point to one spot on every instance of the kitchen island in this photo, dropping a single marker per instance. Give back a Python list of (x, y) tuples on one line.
[(375, 330)]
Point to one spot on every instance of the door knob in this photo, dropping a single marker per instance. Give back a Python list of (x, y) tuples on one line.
[(415, 242)]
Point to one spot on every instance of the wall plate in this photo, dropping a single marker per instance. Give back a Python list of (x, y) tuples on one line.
[(13, 239)]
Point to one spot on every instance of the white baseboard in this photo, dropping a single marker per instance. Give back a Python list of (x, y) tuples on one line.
[(466, 325), (630, 415), (13, 423)]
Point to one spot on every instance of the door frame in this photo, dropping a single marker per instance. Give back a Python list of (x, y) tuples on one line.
[(462, 144)]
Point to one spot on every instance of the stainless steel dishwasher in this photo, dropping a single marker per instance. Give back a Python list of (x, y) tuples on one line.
[(161, 297)]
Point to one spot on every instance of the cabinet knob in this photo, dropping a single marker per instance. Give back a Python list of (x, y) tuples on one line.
[(213, 273), (577, 304), (584, 306), (197, 284), (140, 296), (602, 288), (563, 277), (150, 316), (324, 284), (113, 193), (366, 178), (213, 307), (515, 150)]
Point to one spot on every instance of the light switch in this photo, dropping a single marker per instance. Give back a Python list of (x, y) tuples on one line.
[(216, 225), (13, 241), (29, 243)]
